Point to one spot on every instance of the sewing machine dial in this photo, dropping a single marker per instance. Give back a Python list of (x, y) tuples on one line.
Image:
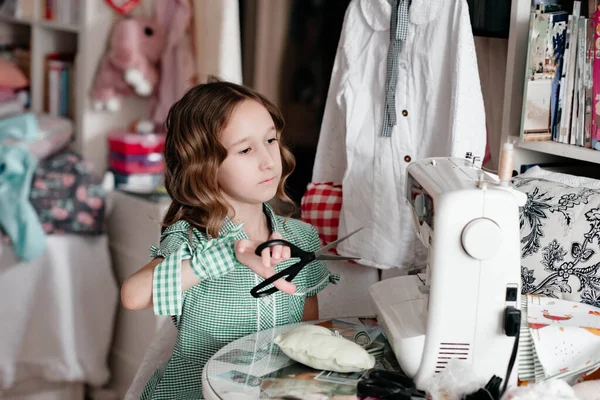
[(481, 238)]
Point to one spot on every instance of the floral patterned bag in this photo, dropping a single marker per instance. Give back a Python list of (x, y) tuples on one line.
[(67, 196)]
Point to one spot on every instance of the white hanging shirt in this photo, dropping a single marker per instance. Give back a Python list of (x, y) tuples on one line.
[(439, 107)]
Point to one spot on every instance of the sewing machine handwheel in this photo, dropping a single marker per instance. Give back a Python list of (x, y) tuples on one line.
[(481, 238)]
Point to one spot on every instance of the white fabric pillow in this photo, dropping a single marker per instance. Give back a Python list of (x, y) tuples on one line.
[(320, 348), (559, 177)]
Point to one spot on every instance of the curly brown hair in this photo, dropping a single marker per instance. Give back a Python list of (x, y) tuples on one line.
[(193, 153)]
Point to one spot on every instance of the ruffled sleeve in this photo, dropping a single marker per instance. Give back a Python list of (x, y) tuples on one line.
[(210, 259)]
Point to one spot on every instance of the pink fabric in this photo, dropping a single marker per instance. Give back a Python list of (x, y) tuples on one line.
[(596, 81), (177, 64), (11, 76), (7, 94)]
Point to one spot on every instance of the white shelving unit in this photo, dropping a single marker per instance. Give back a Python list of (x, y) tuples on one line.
[(528, 152), (87, 39)]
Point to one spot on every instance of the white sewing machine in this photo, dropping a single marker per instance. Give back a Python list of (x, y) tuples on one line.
[(470, 224)]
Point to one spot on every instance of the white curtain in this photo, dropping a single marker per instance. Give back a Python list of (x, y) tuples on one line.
[(217, 39), (491, 60), (272, 22)]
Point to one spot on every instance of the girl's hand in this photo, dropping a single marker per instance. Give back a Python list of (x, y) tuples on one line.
[(263, 266)]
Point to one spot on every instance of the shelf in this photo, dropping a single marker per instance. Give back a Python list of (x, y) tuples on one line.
[(86, 38), (14, 20), (58, 26), (562, 150)]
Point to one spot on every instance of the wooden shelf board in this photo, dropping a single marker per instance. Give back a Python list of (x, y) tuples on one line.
[(13, 20), (54, 25), (58, 26), (562, 150)]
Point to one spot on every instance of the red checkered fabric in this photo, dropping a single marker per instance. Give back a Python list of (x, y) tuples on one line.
[(320, 206)]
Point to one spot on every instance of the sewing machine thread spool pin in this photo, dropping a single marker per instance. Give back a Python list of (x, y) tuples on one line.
[(506, 163), (481, 183)]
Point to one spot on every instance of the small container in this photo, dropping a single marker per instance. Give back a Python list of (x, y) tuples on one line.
[(148, 160), (135, 143), (140, 183), (151, 163)]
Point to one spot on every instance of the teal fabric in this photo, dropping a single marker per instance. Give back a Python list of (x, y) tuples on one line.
[(18, 218), (20, 128)]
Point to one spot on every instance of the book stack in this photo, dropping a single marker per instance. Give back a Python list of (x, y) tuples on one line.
[(561, 82), (65, 12), (62, 11), (59, 87)]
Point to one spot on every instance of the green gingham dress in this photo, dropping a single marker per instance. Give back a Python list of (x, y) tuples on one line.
[(220, 308)]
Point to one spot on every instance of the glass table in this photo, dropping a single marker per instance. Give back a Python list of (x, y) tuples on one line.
[(253, 367)]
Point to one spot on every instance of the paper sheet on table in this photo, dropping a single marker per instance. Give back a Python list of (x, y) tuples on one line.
[(566, 334)]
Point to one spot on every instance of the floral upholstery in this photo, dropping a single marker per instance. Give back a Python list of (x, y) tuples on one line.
[(560, 233)]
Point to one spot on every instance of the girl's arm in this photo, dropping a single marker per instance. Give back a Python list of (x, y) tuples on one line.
[(311, 309), (136, 292)]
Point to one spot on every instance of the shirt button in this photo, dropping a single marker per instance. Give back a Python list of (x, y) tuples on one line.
[(403, 65), (407, 158), (404, 113)]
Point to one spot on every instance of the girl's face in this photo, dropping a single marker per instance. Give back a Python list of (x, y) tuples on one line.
[(251, 172)]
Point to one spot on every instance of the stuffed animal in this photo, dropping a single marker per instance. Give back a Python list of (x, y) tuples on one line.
[(130, 66)]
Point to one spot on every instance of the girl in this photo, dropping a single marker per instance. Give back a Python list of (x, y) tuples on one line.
[(224, 162)]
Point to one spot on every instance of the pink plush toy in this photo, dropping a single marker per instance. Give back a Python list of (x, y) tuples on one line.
[(130, 64)]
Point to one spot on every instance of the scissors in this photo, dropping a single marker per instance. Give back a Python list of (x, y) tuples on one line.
[(305, 257), (388, 385)]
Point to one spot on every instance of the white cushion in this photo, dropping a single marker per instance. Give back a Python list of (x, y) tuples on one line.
[(320, 348), (560, 177)]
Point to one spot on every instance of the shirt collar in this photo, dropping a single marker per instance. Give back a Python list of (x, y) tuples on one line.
[(378, 13), (273, 220), (228, 225)]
